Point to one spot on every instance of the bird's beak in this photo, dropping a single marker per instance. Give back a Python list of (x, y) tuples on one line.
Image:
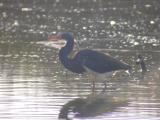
[(53, 41), (54, 38), (56, 41)]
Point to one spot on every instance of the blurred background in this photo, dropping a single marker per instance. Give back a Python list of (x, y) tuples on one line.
[(33, 83)]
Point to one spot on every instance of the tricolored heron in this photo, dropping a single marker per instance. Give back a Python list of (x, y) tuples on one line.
[(86, 59)]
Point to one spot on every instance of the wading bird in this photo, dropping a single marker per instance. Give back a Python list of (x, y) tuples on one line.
[(86, 60)]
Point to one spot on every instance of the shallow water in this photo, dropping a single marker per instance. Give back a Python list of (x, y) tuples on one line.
[(33, 83)]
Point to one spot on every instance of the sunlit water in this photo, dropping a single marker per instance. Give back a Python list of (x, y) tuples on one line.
[(35, 86)]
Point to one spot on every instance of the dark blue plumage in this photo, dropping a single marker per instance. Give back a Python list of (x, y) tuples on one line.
[(86, 59), (93, 60)]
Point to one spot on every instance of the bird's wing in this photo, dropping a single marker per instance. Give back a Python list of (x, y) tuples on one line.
[(100, 62)]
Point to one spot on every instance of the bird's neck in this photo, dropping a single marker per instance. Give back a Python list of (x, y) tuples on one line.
[(66, 50)]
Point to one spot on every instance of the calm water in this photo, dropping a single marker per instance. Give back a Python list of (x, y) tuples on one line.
[(35, 86)]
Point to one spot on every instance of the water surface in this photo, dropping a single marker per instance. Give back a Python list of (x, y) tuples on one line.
[(33, 83)]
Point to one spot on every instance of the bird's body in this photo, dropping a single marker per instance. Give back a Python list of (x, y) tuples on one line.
[(90, 59), (93, 60)]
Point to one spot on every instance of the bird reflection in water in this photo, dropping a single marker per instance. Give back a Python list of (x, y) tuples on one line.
[(91, 106)]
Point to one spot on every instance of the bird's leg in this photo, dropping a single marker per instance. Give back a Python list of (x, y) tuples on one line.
[(92, 78), (112, 74), (105, 86), (93, 85), (93, 82)]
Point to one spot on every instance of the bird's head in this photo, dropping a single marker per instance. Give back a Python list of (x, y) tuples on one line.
[(61, 38), (66, 35)]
